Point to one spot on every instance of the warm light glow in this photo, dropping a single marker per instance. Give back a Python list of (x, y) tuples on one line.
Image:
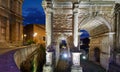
[(24, 35), (35, 34)]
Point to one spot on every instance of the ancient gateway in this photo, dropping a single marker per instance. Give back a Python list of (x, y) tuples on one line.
[(65, 19)]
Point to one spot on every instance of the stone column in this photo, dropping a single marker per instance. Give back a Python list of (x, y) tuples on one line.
[(118, 29), (49, 53), (48, 28), (48, 36), (76, 54), (7, 31), (16, 32), (75, 28), (21, 33), (117, 50)]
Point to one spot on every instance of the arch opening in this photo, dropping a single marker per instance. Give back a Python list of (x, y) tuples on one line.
[(99, 30)]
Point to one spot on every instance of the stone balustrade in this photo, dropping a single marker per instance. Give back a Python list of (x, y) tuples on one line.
[(23, 53)]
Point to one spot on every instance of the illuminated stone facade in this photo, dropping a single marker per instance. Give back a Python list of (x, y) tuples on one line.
[(11, 28), (34, 32), (94, 16)]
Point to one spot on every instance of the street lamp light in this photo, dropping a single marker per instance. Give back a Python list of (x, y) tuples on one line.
[(24, 35), (35, 34)]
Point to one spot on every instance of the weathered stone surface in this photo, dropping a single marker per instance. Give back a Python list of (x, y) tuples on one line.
[(11, 22)]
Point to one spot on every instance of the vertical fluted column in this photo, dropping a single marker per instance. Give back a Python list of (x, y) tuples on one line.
[(75, 27), (75, 54), (48, 67), (48, 36), (48, 27)]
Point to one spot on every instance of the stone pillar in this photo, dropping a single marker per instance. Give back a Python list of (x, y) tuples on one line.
[(15, 33), (76, 54), (48, 28), (118, 29), (76, 59), (116, 56), (48, 67), (48, 34), (75, 28), (21, 33), (7, 30), (49, 58), (76, 62)]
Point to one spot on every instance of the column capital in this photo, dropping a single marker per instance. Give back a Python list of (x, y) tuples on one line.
[(47, 5), (75, 10), (49, 10)]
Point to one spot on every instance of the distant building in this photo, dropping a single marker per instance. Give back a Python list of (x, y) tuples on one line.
[(11, 29), (34, 32)]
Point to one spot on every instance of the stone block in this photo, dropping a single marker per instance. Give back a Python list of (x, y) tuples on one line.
[(47, 68), (76, 69)]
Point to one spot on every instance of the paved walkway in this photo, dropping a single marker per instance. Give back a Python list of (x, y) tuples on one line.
[(63, 66), (7, 63), (89, 66)]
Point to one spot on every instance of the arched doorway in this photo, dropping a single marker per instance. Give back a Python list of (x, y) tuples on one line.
[(97, 54), (63, 45)]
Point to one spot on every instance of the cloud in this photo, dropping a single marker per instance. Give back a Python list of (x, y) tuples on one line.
[(33, 16)]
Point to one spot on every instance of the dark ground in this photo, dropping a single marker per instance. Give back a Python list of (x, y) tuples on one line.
[(7, 64)]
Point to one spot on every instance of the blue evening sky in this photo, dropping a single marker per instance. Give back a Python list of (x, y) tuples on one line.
[(33, 12)]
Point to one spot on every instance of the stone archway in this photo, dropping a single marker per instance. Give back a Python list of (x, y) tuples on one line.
[(64, 17), (102, 37)]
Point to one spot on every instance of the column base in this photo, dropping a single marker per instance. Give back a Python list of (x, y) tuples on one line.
[(49, 58), (76, 69), (47, 68), (76, 58)]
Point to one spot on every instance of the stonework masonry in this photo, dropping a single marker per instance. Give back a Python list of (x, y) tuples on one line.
[(34, 32), (11, 28)]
